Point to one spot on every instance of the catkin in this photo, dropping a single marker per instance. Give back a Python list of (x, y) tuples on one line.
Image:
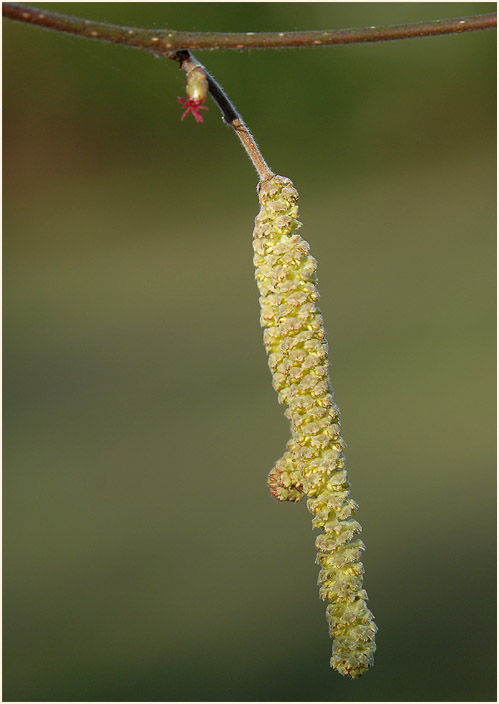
[(313, 464)]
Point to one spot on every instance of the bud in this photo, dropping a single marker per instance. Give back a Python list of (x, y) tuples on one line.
[(197, 92), (197, 85), (314, 463)]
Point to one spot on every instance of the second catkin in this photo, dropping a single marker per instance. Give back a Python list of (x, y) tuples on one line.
[(313, 464)]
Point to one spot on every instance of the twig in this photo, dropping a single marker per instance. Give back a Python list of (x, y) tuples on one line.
[(165, 42), (229, 114)]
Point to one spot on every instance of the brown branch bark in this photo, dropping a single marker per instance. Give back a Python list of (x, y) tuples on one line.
[(166, 42), (176, 45)]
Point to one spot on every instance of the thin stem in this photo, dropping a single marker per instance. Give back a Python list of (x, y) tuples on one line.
[(165, 42), (229, 113)]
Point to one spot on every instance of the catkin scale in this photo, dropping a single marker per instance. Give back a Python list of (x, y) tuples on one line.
[(313, 464)]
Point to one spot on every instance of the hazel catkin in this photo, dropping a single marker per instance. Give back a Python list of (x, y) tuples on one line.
[(313, 464)]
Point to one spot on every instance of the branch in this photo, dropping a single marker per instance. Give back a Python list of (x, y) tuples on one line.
[(175, 45), (165, 42)]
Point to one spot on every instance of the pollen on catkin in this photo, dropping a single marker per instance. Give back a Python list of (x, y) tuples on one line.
[(313, 464)]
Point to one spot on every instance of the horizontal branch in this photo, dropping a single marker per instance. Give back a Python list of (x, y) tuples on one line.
[(166, 42)]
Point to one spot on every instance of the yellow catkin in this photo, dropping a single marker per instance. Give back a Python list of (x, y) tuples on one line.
[(313, 464)]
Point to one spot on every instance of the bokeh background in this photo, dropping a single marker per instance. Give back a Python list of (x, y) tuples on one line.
[(144, 558)]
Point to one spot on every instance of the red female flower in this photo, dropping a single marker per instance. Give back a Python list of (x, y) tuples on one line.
[(193, 106), (197, 92)]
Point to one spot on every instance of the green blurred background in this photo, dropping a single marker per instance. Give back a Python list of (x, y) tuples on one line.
[(144, 558)]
